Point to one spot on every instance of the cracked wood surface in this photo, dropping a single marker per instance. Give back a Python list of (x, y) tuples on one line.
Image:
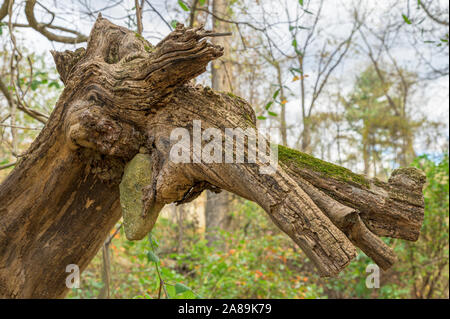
[(123, 95)]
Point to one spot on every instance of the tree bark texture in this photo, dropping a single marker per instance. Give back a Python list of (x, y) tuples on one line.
[(122, 97)]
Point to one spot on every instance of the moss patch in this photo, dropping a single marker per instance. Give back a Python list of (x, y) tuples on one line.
[(250, 121), (137, 35), (231, 95), (287, 155), (147, 46)]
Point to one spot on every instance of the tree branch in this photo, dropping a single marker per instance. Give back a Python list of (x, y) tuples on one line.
[(34, 114), (42, 28), (4, 9), (430, 15)]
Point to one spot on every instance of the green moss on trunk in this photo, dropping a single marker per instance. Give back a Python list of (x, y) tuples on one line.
[(289, 156)]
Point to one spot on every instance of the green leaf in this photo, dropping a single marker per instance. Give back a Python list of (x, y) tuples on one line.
[(34, 85), (152, 240), (268, 105), (294, 43), (301, 2), (261, 117), (152, 257), (276, 94), (272, 113), (55, 84), (180, 288), (188, 295), (183, 5), (406, 19), (308, 12), (170, 291), (201, 2), (295, 70), (173, 23)]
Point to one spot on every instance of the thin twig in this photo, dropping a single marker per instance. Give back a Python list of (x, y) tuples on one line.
[(110, 238), (161, 281), (159, 15), (8, 165), (21, 127)]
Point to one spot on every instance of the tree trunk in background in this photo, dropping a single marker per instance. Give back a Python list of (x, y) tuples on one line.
[(283, 126), (221, 69), (366, 155), (217, 214), (305, 137), (217, 210), (407, 148)]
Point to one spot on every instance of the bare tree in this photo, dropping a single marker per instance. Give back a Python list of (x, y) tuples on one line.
[(327, 60)]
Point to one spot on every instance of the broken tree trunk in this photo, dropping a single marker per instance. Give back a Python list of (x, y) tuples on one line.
[(125, 97)]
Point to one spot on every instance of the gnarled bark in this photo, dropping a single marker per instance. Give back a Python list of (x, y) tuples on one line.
[(124, 96), (394, 209)]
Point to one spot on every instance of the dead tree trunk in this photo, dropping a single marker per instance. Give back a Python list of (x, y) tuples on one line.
[(122, 97)]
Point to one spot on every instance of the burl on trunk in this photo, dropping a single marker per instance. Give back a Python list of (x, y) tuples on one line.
[(122, 99)]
